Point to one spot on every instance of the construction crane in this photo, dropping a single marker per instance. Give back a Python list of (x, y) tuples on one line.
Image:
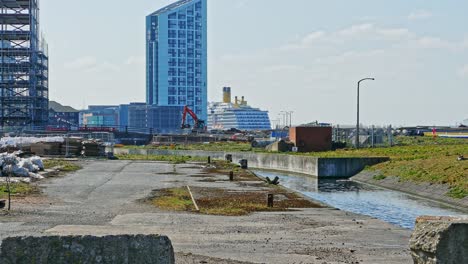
[(199, 125)]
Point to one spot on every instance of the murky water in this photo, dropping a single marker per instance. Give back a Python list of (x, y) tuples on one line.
[(390, 206)]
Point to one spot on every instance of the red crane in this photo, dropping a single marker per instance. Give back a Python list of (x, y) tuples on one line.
[(199, 124)]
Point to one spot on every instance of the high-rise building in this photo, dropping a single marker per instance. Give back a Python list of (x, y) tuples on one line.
[(176, 54), (24, 88)]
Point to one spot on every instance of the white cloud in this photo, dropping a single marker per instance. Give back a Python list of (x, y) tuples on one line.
[(436, 43), (396, 33), (463, 71), (357, 29), (90, 64), (314, 36), (81, 63), (135, 60), (420, 14)]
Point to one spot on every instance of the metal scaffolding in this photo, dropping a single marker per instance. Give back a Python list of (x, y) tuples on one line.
[(24, 87)]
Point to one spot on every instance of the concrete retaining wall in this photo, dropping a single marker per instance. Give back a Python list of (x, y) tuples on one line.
[(88, 249), (319, 167), (440, 240)]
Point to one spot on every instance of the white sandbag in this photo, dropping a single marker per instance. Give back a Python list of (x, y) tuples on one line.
[(19, 171), (27, 164), (35, 176), (38, 162)]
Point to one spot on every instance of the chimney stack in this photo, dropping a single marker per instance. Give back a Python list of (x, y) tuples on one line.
[(227, 95)]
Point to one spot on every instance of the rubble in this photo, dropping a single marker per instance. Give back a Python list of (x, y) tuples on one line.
[(13, 165)]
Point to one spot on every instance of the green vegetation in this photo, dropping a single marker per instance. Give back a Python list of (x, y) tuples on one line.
[(379, 177), (416, 159), (176, 199), (64, 165), (17, 189), (171, 159), (214, 146)]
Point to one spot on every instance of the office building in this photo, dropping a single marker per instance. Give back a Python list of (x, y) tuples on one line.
[(176, 55)]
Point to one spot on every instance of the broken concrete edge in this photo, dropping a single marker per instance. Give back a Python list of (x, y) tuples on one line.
[(366, 177), (440, 239), (139, 248)]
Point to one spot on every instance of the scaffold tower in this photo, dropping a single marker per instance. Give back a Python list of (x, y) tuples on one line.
[(24, 88)]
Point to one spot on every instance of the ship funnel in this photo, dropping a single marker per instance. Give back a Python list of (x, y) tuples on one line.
[(227, 95)]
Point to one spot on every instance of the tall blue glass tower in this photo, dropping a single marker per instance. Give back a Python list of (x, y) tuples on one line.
[(176, 56)]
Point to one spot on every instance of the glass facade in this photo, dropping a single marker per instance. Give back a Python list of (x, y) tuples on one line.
[(177, 56)]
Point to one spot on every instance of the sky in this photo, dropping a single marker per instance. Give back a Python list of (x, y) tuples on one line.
[(304, 56)]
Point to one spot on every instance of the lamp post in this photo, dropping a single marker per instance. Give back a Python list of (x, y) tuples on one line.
[(290, 118), (357, 124)]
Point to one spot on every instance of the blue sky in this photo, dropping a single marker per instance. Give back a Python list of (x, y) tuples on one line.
[(298, 55)]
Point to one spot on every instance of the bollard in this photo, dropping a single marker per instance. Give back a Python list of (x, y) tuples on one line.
[(209, 159), (231, 176), (244, 164), (271, 198), (229, 157)]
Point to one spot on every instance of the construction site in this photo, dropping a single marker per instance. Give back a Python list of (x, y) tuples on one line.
[(24, 67)]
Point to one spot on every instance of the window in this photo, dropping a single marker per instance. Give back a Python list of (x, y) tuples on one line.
[(173, 16), (172, 24), (182, 16), (171, 100), (182, 24), (182, 91), (182, 101), (172, 91)]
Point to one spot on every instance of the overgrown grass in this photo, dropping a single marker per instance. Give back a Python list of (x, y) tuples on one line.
[(171, 159), (175, 199), (64, 165), (214, 146), (17, 189), (379, 177)]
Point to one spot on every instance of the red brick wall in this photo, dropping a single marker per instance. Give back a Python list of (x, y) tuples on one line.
[(310, 139)]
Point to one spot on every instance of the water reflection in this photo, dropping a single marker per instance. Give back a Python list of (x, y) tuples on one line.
[(390, 206)]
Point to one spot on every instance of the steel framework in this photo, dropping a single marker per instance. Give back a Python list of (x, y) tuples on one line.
[(24, 87)]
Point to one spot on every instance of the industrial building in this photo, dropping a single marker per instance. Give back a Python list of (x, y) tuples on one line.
[(62, 117), (24, 89), (238, 114), (176, 56), (133, 117)]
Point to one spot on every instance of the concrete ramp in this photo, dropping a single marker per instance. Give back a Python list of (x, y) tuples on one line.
[(88, 249)]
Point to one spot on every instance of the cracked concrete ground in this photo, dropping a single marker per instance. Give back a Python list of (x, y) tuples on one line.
[(102, 198)]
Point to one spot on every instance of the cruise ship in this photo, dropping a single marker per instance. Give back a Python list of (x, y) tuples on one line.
[(239, 115)]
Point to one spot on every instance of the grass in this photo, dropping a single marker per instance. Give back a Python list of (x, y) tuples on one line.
[(379, 177), (227, 203), (17, 189), (175, 199), (213, 146), (64, 165), (170, 159), (416, 159)]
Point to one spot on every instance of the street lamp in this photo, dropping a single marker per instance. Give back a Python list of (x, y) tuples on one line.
[(290, 117), (357, 124)]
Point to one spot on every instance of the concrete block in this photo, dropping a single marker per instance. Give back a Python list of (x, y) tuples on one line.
[(440, 240), (88, 249)]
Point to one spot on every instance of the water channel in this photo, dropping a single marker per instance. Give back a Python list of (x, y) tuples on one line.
[(390, 206)]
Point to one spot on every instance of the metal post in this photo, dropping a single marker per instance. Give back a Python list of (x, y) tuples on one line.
[(357, 124)]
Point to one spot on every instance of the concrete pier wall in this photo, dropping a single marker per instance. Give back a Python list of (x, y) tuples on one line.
[(440, 240), (88, 249), (318, 167)]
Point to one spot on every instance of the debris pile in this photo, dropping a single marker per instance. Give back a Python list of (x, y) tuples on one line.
[(14, 166), (54, 146)]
